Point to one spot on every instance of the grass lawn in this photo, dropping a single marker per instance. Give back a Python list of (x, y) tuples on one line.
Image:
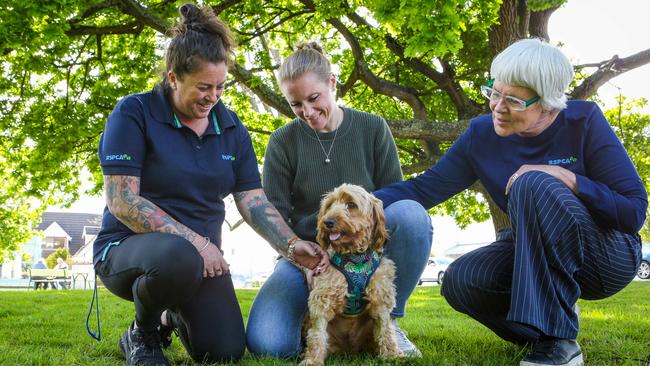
[(48, 328)]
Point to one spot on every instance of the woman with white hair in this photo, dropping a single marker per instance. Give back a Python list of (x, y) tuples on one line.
[(574, 198)]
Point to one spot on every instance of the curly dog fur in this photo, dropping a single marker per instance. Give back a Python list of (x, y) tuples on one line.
[(351, 220)]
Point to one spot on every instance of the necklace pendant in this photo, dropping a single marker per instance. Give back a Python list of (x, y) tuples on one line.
[(327, 160)]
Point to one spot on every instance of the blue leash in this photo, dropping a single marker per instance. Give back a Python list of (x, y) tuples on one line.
[(98, 335)]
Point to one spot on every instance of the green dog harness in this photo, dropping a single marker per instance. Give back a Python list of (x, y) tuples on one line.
[(357, 269)]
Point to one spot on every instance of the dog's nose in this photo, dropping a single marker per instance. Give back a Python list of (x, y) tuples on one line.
[(329, 223)]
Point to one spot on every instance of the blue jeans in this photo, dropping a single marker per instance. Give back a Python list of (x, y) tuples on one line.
[(275, 320)]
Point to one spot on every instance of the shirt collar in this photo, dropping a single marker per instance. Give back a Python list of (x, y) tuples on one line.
[(161, 110)]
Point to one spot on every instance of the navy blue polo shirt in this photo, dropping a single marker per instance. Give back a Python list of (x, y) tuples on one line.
[(187, 176)]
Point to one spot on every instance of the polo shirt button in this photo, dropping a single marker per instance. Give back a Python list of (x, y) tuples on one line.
[(198, 147)]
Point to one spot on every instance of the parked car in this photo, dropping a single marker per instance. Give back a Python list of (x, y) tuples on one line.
[(644, 268), (435, 270)]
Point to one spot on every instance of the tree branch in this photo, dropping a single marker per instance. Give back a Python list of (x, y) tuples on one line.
[(91, 10), (224, 5), (265, 93), (131, 28), (419, 167), (378, 85), (143, 15), (427, 130), (349, 83), (363, 72), (258, 130), (265, 27), (607, 70), (445, 81), (237, 223)]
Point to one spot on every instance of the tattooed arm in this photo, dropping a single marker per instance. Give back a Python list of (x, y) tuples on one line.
[(143, 216), (265, 219)]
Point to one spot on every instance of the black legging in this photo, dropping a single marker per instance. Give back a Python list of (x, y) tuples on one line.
[(163, 271)]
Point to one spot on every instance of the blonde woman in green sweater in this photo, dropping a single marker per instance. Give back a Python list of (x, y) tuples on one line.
[(325, 146)]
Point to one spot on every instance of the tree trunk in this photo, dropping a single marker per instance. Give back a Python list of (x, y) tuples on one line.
[(500, 219), (506, 32), (538, 26)]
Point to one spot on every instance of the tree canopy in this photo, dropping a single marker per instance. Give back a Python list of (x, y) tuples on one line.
[(418, 63)]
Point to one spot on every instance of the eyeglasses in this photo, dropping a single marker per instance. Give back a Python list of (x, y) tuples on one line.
[(513, 103)]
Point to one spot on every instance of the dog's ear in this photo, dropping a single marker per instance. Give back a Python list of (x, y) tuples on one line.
[(321, 237), (380, 235)]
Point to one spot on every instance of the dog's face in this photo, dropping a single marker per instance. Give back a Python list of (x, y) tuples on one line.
[(351, 220)]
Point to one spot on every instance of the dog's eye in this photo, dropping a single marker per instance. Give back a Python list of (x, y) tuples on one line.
[(350, 205)]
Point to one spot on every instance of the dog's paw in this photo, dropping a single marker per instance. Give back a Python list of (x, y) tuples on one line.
[(393, 355), (310, 362)]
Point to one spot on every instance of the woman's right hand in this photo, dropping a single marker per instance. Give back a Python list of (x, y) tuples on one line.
[(311, 256), (214, 263)]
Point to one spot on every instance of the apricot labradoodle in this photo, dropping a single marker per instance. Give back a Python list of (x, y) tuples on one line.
[(350, 303)]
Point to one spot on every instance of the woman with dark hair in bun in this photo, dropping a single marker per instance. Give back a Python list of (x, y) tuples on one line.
[(325, 146), (169, 156)]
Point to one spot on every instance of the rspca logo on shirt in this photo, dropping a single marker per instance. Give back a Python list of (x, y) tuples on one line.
[(564, 161), (227, 157), (118, 157)]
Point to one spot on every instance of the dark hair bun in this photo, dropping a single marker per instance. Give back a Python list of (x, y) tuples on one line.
[(311, 45), (189, 13), (191, 18)]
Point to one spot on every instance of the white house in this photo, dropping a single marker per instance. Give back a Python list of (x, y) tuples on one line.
[(73, 231)]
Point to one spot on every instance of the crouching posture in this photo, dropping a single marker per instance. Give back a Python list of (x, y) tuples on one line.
[(573, 196), (350, 303)]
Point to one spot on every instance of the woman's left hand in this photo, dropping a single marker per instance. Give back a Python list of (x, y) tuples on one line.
[(311, 256), (563, 175), (214, 264)]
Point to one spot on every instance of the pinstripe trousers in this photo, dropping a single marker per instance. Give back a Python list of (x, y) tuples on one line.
[(524, 285)]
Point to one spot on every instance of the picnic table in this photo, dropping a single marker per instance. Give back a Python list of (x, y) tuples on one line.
[(50, 276)]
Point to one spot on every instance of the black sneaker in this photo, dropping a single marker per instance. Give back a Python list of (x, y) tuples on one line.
[(554, 352), (142, 348)]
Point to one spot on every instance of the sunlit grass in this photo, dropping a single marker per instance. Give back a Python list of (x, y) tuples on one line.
[(48, 327)]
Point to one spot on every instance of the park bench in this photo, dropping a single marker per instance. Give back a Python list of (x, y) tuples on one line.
[(54, 276)]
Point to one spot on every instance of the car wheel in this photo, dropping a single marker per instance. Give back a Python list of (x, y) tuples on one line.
[(644, 270), (441, 275)]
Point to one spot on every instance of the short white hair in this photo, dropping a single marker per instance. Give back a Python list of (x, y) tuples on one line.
[(537, 65)]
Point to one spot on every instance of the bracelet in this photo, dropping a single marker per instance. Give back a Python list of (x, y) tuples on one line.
[(291, 247), (207, 242)]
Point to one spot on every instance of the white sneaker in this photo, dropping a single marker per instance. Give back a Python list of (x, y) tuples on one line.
[(404, 344)]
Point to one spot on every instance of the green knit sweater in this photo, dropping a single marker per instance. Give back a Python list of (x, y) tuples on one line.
[(295, 176)]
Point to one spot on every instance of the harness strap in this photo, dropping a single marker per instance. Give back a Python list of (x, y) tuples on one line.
[(357, 270)]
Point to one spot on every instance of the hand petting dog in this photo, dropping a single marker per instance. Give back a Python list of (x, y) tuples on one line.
[(310, 256)]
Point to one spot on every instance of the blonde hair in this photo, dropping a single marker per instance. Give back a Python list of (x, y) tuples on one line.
[(537, 65), (308, 57)]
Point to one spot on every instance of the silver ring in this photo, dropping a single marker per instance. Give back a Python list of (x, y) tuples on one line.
[(514, 176)]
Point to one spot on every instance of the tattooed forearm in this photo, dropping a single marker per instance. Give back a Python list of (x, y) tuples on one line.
[(137, 213), (265, 219)]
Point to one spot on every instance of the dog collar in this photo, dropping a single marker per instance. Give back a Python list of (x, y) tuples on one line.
[(357, 269)]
